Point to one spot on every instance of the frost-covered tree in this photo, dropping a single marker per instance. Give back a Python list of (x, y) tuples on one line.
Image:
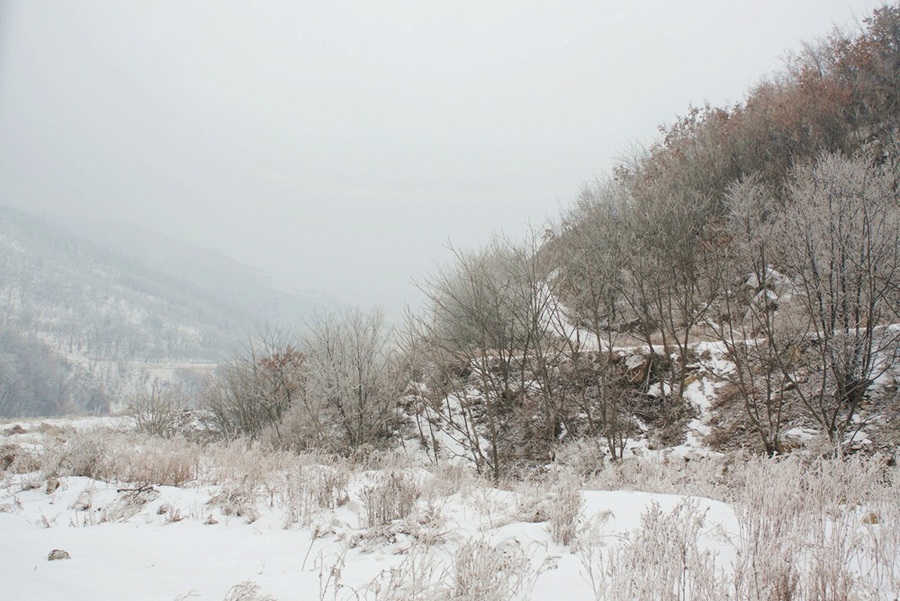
[(590, 256), (753, 298), (351, 384), (490, 339), (253, 391), (839, 240)]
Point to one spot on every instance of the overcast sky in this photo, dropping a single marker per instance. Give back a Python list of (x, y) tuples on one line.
[(340, 146)]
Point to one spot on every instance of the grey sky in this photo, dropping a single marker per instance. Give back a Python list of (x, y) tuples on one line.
[(339, 146)]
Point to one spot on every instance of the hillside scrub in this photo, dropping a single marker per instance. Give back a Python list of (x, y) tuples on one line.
[(335, 387), (771, 227)]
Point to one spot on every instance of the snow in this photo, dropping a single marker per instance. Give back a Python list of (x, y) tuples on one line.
[(185, 543), (177, 545)]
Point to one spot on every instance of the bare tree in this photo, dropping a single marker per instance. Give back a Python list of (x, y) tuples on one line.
[(159, 410), (351, 381), (469, 330), (748, 323), (590, 258), (839, 240), (254, 391), (492, 357), (668, 285)]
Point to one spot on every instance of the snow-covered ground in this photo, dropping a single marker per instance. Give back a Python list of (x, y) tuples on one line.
[(177, 545), (243, 523), (145, 518)]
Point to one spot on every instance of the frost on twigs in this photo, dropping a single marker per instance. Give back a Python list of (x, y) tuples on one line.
[(246, 591), (392, 497)]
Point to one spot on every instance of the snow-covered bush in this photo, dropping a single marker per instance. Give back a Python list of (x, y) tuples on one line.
[(246, 591), (488, 572), (159, 411), (565, 508), (305, 491), (392, 497)]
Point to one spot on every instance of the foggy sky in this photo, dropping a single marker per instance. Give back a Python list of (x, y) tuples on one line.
[(340, 146)]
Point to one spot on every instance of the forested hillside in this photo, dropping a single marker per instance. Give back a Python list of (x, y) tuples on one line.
[(76, 321), (736, 284), (769, 227), (222, 279)]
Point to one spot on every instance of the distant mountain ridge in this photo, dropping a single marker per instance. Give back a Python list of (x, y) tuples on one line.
[(100, 304), (85, 324), (235, 284)]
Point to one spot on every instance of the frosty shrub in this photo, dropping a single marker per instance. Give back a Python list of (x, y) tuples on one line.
[(154, 462), (305, 491), (489, 573), (392, 497), (770, 517), (119, 457), (564, 508), (663, 559), (242, 461), (237, 500), (557, 502), (824, 529), (246, 591), (159, 411), (585, 458), (478, 571), (419, 577), (80, 454), (450, 478), (698, 476)]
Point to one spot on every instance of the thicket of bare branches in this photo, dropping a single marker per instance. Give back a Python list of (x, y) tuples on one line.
[(336, 387), (253, 391), (487, 343), (161, 411), (352, 384)]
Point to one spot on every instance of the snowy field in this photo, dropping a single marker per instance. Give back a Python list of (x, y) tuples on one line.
[(143, 518)]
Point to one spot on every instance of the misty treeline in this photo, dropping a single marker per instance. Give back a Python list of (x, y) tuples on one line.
[(34, 381), (769, 228)]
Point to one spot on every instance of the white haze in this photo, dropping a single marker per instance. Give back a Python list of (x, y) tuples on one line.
[(340, 146)]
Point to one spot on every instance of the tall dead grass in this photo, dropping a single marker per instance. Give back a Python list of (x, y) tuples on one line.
[(809, 529), (119, 457), (806, 528)]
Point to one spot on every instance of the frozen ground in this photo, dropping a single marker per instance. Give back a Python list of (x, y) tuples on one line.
[(176, 544)]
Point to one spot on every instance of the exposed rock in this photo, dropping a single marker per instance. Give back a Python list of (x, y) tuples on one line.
[(52, 485), (636, 366), (8, 456), (58, 554)]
